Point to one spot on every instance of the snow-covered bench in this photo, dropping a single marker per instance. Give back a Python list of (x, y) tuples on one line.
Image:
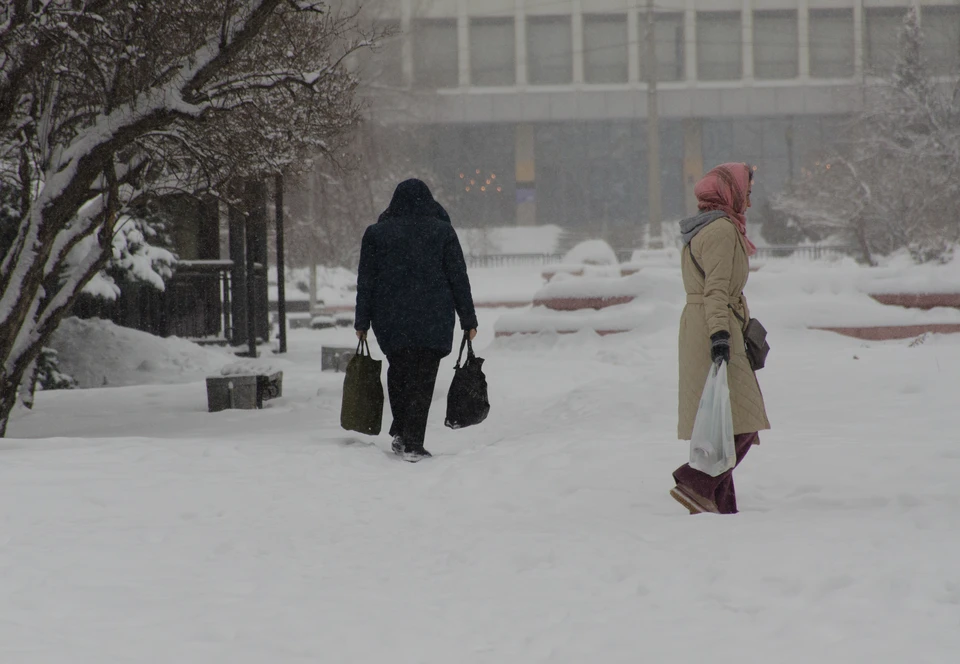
[(243, 385), (919, 300)]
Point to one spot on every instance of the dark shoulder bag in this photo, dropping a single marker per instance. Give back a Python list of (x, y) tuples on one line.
[(754, 334), (754, 340)]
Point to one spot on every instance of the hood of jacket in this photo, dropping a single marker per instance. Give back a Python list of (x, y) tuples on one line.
[(412, 198), (690, 226)]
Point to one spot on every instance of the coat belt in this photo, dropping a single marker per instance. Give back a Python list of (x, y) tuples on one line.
[(694, 298)]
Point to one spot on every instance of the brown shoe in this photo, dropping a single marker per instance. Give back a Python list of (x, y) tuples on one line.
[(694, 503)]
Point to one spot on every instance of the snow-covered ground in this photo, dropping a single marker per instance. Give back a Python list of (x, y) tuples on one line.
[(139, 528)]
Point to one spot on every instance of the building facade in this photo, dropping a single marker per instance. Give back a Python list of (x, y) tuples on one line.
[(535, 111)]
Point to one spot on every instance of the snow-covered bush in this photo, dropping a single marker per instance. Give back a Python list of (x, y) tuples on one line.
[(591, 252), (49, 374)]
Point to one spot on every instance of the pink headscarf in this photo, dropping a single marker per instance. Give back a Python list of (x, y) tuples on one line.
[(725, 189)]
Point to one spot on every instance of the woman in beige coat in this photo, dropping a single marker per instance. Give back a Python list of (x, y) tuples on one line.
[(715, 264)]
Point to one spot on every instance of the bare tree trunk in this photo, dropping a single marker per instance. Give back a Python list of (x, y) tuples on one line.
[(7, 403), (28, 386), (313, 287), (13, 384), (861, 234), (312, 219)]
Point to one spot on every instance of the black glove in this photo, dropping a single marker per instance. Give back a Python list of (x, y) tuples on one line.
[(720, 347)]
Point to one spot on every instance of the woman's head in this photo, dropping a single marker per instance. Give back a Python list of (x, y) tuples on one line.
[(413, 198), (726, 187)]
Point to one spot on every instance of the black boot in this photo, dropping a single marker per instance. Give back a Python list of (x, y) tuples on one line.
[(414, 453)]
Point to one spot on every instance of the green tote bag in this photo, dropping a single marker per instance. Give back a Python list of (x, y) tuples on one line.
[(362, 406)]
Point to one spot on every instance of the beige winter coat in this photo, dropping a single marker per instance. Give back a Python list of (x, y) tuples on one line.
[(721, 252)]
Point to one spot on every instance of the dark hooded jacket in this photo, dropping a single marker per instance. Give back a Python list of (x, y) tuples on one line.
[(412, 276)]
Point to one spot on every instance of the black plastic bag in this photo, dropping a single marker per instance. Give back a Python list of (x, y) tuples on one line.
[(467, 401), (362, 406)]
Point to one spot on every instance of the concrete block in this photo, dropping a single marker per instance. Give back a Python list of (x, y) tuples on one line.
[(242, 391)]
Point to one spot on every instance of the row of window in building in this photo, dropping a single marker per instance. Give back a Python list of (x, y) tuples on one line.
[(551, 49), (591, 174)]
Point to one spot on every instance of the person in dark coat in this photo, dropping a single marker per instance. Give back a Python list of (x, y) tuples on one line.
[(411, 282)]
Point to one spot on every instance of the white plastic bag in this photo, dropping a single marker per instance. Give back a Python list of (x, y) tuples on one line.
[(712, 449)]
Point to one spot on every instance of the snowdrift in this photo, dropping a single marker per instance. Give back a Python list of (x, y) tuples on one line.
[(100, 353)]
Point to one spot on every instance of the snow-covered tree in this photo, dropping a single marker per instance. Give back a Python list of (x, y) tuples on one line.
[(104, 103), (893, 182)]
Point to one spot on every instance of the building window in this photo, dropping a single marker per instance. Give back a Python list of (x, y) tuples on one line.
[(549, 50), (831, 43), (493, 48), (668, 40), (776, 45), (435, 56), (941, 44), (605, 53), (719, 46), (880, 38)]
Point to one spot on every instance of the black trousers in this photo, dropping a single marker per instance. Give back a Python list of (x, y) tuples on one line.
[(411, 377)]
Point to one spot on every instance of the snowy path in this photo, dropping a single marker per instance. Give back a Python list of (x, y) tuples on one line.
[(140, 528)]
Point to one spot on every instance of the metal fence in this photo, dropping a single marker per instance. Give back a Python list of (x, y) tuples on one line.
[(513, 260), (808, 252), (812, 252)]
